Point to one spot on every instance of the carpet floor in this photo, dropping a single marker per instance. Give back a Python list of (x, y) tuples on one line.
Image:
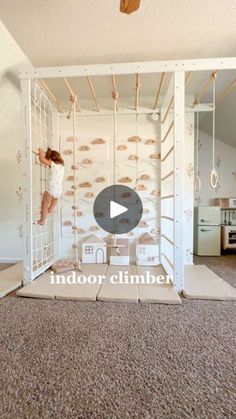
[(65, 359)]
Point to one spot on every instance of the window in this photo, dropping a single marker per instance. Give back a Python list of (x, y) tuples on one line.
[(151, 259), (142, 250), (89, 250)]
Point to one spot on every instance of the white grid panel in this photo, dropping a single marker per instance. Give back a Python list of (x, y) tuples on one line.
[(40, 131)]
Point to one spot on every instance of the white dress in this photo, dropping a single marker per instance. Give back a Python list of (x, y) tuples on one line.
[(55, 178)]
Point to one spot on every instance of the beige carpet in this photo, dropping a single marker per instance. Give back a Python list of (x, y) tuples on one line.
[(202, 283), (71, 359), (11, 279)]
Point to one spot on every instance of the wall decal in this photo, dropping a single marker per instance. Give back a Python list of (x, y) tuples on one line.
[(146, 211), (79, 213), (218, 161), (155, 156), (156, 192), (122, 147), (189, 170), (155, 231), (94, 228), (84, 148), (19, 193), (98, 141), (188, 214), (67, 152), (124, 221), (100, 179), (75, 167), (126, 195), (133, 157), (71, 139), (67, 223), (69, 193), (70, 178), (125, 179), (89, 195), (234, 175), (85, 185), (87, 161), (143, 224), (150, 142), (141, 187), (190, 129), (18, 157), (198, 200), (134, 139), (20, 229), (80, 230), (145, 176)]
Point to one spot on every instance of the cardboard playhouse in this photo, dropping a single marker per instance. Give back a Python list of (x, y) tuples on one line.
[(94, 250), (147, 251), (119, 255)]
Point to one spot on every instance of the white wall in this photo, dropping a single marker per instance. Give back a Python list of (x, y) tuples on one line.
[(225, 165), (12, 59)]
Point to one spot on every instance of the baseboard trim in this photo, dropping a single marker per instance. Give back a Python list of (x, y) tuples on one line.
[(10, 260)]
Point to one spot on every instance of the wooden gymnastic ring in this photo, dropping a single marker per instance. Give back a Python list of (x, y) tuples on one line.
[(197, 184), (214, 179)]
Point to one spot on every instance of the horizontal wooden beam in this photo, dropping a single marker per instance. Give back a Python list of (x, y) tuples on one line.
[(205, 64)]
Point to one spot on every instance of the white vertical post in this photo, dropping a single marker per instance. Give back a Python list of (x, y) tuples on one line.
[(57, 217), (27, 174), (179, 132)]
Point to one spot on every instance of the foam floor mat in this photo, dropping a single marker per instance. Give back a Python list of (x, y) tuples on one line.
[(203, 284), (156, 293), (118, 292), (43, 288), (11, 279)]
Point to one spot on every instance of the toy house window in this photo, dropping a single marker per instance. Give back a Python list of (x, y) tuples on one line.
[(142, 250), (88, 250), (151, 259)]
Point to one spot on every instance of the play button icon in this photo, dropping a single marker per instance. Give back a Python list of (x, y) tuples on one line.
[(118, 209)]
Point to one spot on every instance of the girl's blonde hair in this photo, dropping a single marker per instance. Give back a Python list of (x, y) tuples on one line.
[(54, 156)]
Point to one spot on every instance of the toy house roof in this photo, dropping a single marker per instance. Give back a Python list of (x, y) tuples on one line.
[(93, 239), (146, 239)]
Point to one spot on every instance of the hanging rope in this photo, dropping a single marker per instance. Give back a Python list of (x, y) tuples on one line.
[(74, 127), (197, 180), (137, 173), (115, 96), (214, 178)]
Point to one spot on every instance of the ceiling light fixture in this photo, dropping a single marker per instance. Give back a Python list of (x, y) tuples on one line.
[(129, 6)]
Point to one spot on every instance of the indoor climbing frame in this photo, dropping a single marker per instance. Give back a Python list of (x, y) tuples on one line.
[(42, 244)]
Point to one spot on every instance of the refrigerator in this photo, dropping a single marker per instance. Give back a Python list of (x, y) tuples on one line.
[(207, 231)]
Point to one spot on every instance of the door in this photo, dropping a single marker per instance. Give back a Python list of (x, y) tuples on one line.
[(99, 256), (208, 242)]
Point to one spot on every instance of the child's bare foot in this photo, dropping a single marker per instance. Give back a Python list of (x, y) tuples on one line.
[(41, 222)]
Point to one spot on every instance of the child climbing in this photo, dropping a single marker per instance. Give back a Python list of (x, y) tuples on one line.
[(51, 158)]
